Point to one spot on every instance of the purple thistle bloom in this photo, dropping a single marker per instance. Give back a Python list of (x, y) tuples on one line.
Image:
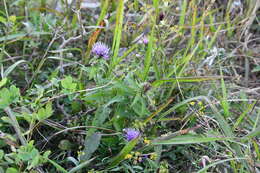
[(131, 134), (143, 40), (100, 49)]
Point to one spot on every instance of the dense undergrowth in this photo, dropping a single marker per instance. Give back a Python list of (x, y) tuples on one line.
[(129, 86)]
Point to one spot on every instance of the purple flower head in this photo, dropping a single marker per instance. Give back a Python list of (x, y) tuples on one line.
[(100, 49), (143, 40), (131, 134)]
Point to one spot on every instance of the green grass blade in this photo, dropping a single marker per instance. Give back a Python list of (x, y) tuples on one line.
[(12, 67), (57, 166), (183, 13), (117, 32), (242, 116), (221, 120), (218, 162), (224, 101), (19, 36), (252, 134), (80, 166), (121, 156), (188, 139), (157, 83)]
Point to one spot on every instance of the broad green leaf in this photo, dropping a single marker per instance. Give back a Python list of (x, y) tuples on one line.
[(91, 145), (8, 96), (101, 115), (44, 113), (12, 170), (35, 161), (67, 83)]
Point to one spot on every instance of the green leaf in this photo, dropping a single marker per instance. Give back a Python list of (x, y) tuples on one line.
[(2, 20), (224, 102), (3, 82), (57, 166), (81, 166), (8, 96), (68, 84), (101, 115), (44, 113), (12, 67), (1, 154), (35, 161), (185, 79), (1, 170), (18, 36), (252, 134), (65, 145), (126, 150), (256, 69), (188, 139), (91, 145), (117, 33), (12, 170), (216, 163)]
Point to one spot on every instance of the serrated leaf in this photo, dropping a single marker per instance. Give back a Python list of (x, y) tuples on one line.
[(67, 83), (8, 96), (44, 113)]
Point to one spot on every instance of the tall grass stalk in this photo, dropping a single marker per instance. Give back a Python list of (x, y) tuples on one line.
[(117, 34)]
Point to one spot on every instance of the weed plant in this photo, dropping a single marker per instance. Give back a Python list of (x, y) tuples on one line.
[(129, 86)]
